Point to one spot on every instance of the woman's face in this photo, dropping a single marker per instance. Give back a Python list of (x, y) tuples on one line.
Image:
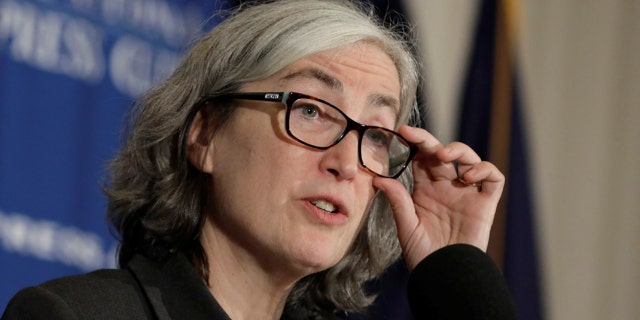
[(270, 193)]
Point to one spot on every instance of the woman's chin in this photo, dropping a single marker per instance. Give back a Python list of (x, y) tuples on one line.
[(316, 259)]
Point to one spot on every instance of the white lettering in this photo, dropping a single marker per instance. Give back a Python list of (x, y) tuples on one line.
[(14, 232), (84, 46), (49, 241), (83, 5), (21, 28), (114, 10), (135, 65), (131, 65), (53, 42), (62, 44), (40, 240), (153, 17), (46, 53), (80, 248), (111, 261)]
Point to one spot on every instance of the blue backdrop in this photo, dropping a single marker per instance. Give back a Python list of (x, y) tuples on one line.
[(69, 70)]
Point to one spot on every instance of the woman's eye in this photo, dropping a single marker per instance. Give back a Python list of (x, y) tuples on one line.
[(378, 137), (309, 111)]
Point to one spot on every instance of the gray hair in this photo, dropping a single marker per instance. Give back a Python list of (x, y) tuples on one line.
[(156, 197)]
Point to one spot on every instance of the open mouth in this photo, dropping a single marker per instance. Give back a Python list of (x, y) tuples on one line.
[(324, 205)]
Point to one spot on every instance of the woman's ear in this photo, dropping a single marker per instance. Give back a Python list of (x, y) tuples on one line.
[(200, 148)]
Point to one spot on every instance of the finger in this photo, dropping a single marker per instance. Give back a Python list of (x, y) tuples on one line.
[(460, 152), (424, 140), (414, 238), (401, 205), (426, 159), (464, 157), (486, 173)]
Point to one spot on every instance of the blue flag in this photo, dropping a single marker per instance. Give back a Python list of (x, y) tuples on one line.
[(491, 123)]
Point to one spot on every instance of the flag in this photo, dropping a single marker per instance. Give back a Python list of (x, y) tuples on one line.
[(491, 123)]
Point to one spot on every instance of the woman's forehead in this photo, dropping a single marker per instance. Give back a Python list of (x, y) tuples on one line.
[(336, 68)]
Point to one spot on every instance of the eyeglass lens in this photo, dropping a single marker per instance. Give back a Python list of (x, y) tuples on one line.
[(321, 125)]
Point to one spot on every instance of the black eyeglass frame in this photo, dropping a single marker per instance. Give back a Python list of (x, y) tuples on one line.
[(288, 97)]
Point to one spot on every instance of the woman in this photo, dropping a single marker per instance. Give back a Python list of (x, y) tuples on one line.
[(258, 181)]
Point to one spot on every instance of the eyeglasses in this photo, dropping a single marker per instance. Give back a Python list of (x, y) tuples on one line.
[(321, 125)]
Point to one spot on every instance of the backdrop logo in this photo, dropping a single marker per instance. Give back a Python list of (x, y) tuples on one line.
[(50, 241), (128, 43)]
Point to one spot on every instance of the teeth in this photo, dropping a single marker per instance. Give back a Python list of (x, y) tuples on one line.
[(324, 205)]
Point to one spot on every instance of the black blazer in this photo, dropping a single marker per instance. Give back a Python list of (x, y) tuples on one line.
[(144, 290), (456, 282)]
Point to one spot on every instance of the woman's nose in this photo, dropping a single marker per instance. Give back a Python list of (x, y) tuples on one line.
[(342, 160)]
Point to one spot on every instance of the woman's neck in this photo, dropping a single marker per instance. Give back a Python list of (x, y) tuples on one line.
[(245, 288)]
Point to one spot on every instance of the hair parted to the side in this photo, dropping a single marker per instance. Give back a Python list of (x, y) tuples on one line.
[(156, 197)]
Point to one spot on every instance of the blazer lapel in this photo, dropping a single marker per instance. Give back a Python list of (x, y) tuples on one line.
[(175, 290)]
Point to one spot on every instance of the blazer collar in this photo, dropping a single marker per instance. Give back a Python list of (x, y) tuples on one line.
[(174, 289)]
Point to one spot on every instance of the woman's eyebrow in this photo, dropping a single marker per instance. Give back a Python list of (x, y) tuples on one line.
[(314, 73), (333, 83), (384, 100)]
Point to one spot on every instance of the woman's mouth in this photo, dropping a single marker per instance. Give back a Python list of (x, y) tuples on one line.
[(324, 205)]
